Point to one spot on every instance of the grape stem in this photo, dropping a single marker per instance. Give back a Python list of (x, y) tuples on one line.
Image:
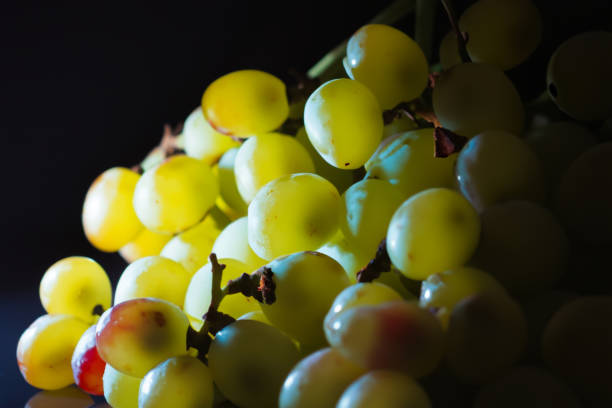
[(462, 37), (168, 146)]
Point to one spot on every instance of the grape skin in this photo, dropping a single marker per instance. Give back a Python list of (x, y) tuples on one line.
[(120, 390), (233, 243), (228, 190), (202, 141), (87, 366), (147, 243)]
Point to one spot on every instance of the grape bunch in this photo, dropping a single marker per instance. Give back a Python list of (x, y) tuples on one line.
[(424, 237)]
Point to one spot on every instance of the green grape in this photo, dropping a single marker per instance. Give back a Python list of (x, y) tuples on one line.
[(344, 122), (298, 212), (75, 286), (249, 361), (399, 125), (388, 62), (175, 194), (449, 52), (156, 277), (181, 382), (434, 230), (264, 158), (191, 248), (318, 380), (523, 246), (578, 76), (471, 98), (70, 397), (136, 335), (497, 166), (244, 103), (502, 32), (120, 390), (256, 315), (486, 335), (407, 160), (576, 346), (306, 285), (199, 293), (228, 190), (442, 291), (384, 389), (45, 349), (233, 243), (109, 220), (202, 141), (147, 243), (397, 336)]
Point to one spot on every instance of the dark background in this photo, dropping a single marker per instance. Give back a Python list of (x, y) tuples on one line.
[(86, 87)]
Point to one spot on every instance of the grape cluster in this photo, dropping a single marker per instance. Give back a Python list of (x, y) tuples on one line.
[(416, 243)]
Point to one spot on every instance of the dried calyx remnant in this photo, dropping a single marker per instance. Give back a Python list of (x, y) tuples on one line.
[(379, 264)]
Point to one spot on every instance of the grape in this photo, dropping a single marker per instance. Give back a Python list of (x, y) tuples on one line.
[(298, 212), (471, 98), (45, 348), (384, 389), (202, 141), (396, 336), (136, 335), (147, 243), (522, 245), (434, 230), (87, 366), (156, 277), (344, 122), (256, 315), (347, 254), (502, 32), (75, 286), (576, 345), (191, 248), (306, 285), (181, 382), (318, 380), (249, 361), (399, 125), (120, 390), (497, 166), (403, 75), (578, 77), (449, 52), (442, 291), (228, 190), (199, 293), (175, 194), (233, 243), (108, 217), (245, 103), (69, 397), (407, 160), (264, 158)]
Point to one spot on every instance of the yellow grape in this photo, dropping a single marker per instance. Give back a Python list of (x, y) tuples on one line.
[(256, 315), (109, 220), (147, 243), (403, 75), (175, 194), (264, 158), (202, 141), (120, 390), (156, 277), (75, 286), (434, 230), (299, 212), (399, 125), (449, 53), (233, 243), (344, 122), (45, 350), (70, 397), (228, 190), (244, 103)]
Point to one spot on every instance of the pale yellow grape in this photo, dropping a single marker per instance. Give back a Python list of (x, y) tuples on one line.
[(191, 248), (70, 397), (473, 97), (146, 243), (256, 315), (388, 62), (407, 161), (233, 243), (120, 390), (344, 122), (175, 194), (179, 382), (449, 53), (153, 276), (108, 217), (434, 230), (264, 158), (202, 141), (75, 286), (246, 102), (199, 292), (45, 349), (293, 213), (228, 190), (399, 125)]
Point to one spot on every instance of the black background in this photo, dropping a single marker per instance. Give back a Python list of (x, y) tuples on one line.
[(88, 86)]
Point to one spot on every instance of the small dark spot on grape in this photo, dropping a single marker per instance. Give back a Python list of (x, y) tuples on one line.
[(347, 163), (97, 310), (159, 319), (552, 88)]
